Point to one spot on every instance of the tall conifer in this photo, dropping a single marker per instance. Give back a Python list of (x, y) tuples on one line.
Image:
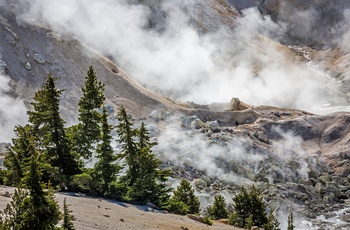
[(89, 118), (48, 127)]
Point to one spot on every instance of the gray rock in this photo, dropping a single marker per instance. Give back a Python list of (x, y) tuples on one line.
[(200, 183), (187, 121), (28, 66), (197, 124), (39, 58), (213, 125), (261, 136), (325, 178), (3, 67)]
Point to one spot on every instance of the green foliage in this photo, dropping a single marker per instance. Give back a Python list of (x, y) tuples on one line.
[(88, 132), (48, 127), (145, 181), (13, 212), (185, 194), (177, 207), (249, 204), (81, 183), (34, 208), (17, 155), (127, 136), (249, 223), (41, 209), (219, 209), (67, 217), (291, 222), (272, 223), (106, 168), (208, 221)]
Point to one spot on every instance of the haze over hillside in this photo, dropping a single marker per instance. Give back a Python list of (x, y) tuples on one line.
[(177, 64), (190, 50)]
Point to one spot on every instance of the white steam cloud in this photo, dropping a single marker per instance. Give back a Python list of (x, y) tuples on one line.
[(12, 111), (173, 58)]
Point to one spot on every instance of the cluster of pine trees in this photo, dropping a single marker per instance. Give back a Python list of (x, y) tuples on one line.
[(47, 155), (249, 210)]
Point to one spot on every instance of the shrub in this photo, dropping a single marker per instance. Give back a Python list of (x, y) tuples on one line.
[(81, 183), (208, 221), (177, 207), (218, 210)]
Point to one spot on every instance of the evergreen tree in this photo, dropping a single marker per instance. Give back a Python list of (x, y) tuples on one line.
[(219, 209), (13, 212), (248, 204), (291, 222), (67, 217), (106, 168), (150, 183), (16, 155), (272, 223), (89, 118), (48, 127), (127, 137), (185, 195), (258, 207), (40, 208)]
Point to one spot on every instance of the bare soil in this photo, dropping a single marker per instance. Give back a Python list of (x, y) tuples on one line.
[(96, 213)]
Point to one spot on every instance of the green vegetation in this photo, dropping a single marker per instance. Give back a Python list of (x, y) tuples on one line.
[(272, 223), (67, 217), (184, 201), (208, 221), (45, 152), (219, 209), (291, 222), (248, 206), (88, 130)]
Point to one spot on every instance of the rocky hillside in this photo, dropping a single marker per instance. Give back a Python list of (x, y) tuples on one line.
[(200, 54)]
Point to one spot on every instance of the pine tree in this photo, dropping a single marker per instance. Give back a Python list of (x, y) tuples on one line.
[(185, 194), (241, 205), (89, 118), (16, 155), (249, 204), (48, 127), (272, 223), (291, 222), (219, 209), (150, 182), (127, 137), (13, 212), (40, 208), (67, 217), (106, 168), (258, 207)]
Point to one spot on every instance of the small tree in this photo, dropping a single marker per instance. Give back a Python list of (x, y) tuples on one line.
[(106, 168), (67, 217), (40, 208), (272, 223), (184, 196), (248, 204), (150, 183), (88, 132), (17, 155), (219, 209), (127, 137), (13, 212), (290, 222)]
